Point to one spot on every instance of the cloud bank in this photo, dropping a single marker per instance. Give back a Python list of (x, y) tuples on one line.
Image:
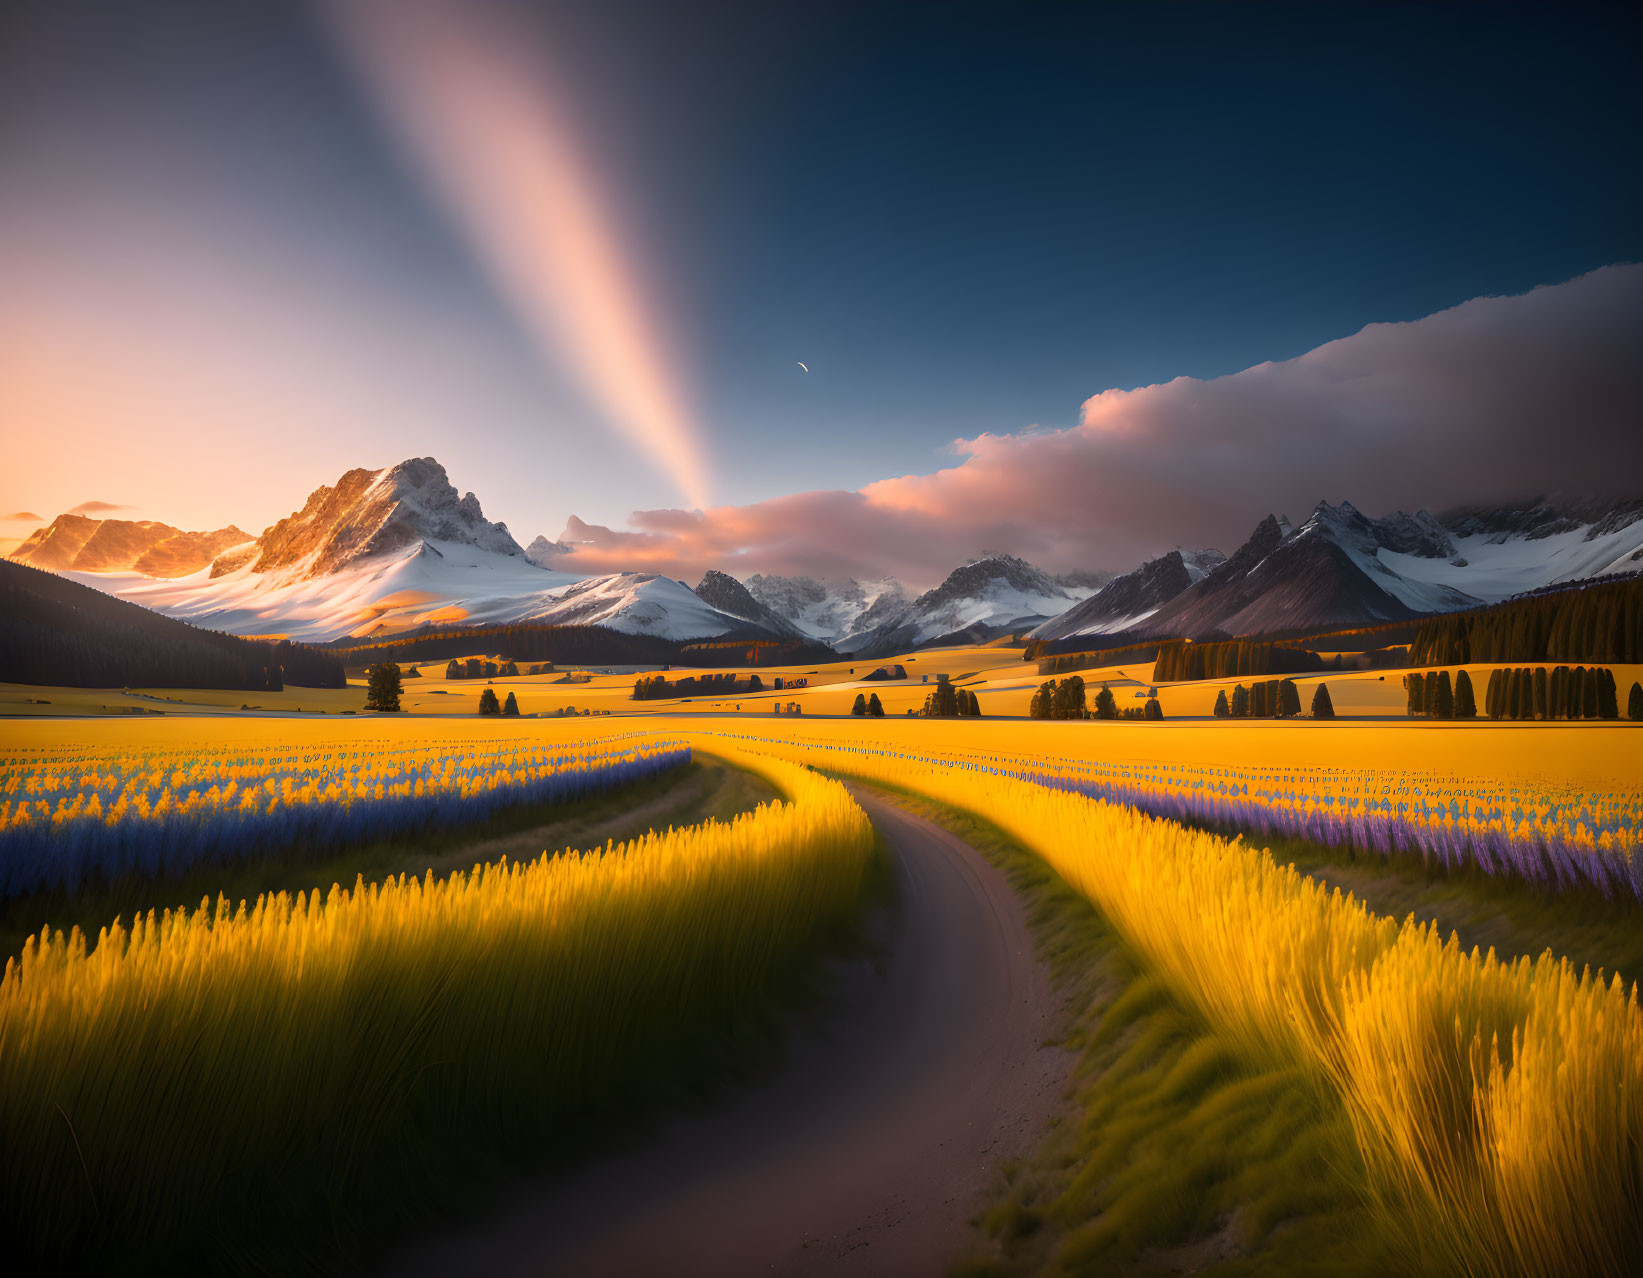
[(1496, 399), (21, 517), (97, 508)]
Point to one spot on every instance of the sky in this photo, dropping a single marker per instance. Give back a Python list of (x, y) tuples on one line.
[(1077, 282)]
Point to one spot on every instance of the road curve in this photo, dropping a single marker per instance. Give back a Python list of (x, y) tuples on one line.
[(868, 1154)]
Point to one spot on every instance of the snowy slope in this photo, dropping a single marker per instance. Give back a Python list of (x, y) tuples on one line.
[(636, 603), (430, 582), (827, 610), (1128, 600), (978, 601), (1493, 567)]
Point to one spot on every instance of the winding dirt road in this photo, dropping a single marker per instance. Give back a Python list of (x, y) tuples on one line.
[(868, 1154)]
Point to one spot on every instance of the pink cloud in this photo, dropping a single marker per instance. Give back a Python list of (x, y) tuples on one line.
[(1497, 399)]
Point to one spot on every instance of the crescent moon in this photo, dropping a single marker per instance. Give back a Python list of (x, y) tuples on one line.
[(801, 364)]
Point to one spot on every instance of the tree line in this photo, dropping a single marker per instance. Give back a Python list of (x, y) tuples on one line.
[(58, 632), (1583, 692), (871, 708), (1182, 659), (1069, 699), (1600, 622), (660, 687), (1272, 699), (478, 668), (949, 702)]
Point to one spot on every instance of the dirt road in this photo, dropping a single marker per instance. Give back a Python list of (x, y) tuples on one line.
[(868, 1154)]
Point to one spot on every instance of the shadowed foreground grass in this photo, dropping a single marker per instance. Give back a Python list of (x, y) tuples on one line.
[(1172, 1154), (269, 1091)]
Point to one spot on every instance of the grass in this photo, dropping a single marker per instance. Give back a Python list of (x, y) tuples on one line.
[(1513, 917), (1170, 1153), (1497, 1107), (705, 789), (270, 1090)]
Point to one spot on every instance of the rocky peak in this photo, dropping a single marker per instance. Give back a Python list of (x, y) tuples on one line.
[(372, 512), (980, 575), (74, 543), (723, 592)]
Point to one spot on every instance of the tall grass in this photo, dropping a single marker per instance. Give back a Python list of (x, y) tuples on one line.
[(236, 1082), (71, 819), (1499, 1107), (1558, 836)]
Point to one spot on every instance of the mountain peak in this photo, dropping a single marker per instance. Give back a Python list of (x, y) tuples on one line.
[(372, 512), (74, 543)]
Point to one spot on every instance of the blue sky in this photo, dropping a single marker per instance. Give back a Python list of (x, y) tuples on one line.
[(964, 219)]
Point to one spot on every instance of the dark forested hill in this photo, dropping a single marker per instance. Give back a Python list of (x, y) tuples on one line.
[(56, 631)]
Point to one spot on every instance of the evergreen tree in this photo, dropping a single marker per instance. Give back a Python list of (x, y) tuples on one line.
[(1322, 706), (1152, 709), (1106, 705), (383, 691), (1492, 695), (1588, 700), (1069, 701), (1465, 706), (473, 668), (1221, 708), (453, 670), (1289, 700), (509, 669), (860, 708), (1430, 685), (1634, 703), (1608, 696), (510, 708), (875, 707), (1039, 707), (1240, 702), (975, 705), (488, 703), (1445, 708), (1416, 684), (1541, 705)]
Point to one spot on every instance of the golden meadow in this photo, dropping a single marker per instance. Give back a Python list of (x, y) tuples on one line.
[(280, 1053), (153, 1082), (1498, 1107)]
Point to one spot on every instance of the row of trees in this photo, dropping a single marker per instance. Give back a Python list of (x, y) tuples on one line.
[(476, 668), (1272, 699), (488, 704), (1068, 699), (1586, 623), (871, 707), (1181, 659), (949, 702), (660, 687), (1051, 662), (1433, 696), (1584, 692)]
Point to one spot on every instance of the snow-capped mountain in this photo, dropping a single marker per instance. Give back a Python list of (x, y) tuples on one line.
[(977, 602), (74, 543), (724, 593), (1130, 599), (636, 603), (370, 513), (388, 550), (1342, 568), (828, 610)]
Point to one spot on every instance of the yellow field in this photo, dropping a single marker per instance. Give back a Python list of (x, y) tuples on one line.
[(1493, 1104), (1002, 682)]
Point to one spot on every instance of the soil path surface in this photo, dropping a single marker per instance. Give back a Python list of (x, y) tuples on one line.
[(873, 1148)]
